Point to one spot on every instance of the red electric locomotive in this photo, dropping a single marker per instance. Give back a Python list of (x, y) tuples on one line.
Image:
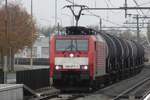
[(83, 57)]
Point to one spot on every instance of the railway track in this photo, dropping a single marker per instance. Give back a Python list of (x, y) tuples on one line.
[(131, 92), (43, 93), (50, 94), (69, 96), (134, 88)]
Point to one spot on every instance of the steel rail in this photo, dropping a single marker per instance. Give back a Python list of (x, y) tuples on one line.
[(130, 89), (120, 8), (69, 96), (42, 95), (146, 94)]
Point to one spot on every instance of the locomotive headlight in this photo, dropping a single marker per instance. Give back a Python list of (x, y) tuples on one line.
[(71, 55), (84, 67), (57, 67)]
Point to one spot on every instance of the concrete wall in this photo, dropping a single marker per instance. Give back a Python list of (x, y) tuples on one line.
[(11, 92)]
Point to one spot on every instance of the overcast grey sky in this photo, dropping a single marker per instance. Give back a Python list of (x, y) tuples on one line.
[(44, 11)]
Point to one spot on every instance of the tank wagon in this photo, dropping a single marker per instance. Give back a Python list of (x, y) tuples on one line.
[(87, 58)]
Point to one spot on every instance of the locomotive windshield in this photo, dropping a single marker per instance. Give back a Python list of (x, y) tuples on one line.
[(71, 45)]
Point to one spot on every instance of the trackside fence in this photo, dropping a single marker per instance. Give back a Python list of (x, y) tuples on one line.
[(34, 79), (36, 61), (1, 76)]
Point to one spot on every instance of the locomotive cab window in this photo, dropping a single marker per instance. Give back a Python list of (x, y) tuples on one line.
[(71, 45)]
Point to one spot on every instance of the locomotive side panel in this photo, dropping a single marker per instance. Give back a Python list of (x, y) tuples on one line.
[(91, 56), (52, 55), (100, 59)]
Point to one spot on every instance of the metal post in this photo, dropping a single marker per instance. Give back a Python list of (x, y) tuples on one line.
[(100, 24), (58, 29), (5, 69), (73, 15), (55, 12), (6, 33), (6, 18), (31, 58), (148, 32), (138, 31), (76, 22), (126, 5), (137, 26), (10, 63)]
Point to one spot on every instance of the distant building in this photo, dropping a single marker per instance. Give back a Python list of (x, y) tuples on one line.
[(40, 49)]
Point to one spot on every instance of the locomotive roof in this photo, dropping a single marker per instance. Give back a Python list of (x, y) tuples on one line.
[(79, 30)]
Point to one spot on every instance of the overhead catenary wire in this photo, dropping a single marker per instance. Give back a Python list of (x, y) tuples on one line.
[(104, 19), (111, 6), (121, 8), (146, 3), (138, 6), (140, 10), (72, 2), (107, 7), (110, 3), (96, 15)]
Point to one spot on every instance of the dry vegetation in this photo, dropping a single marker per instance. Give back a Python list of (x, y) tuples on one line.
[(17, 29)]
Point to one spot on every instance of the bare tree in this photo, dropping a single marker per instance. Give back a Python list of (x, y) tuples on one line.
[(17, 29), (50, 30)]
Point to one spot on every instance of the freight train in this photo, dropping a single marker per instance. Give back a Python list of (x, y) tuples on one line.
[(83, 57)]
